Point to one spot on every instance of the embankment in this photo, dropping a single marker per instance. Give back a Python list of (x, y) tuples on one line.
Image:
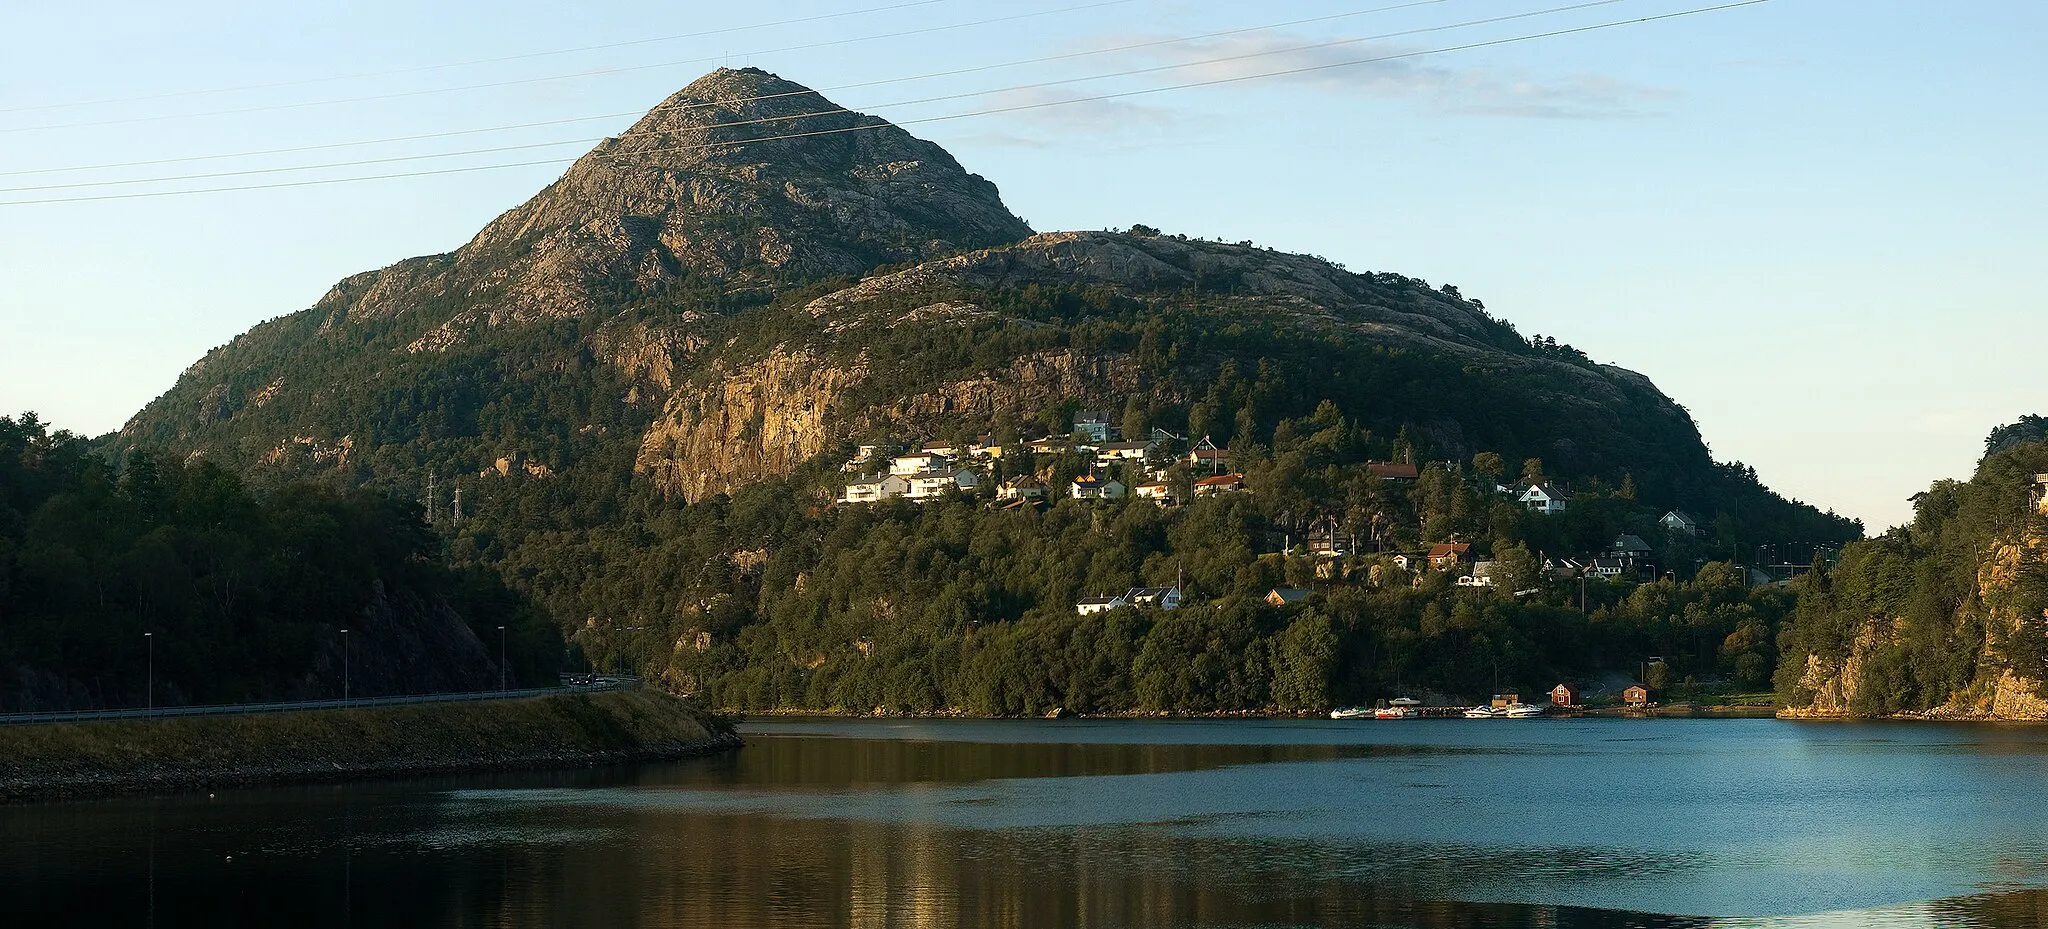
[(573, 729)]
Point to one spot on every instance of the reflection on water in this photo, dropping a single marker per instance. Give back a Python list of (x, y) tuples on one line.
[(1117, 824)]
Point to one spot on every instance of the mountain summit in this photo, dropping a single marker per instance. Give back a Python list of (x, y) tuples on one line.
[(739, 177)]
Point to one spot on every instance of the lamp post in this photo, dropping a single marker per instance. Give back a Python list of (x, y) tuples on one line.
[(501, 658), (149, 689), (344, 666)]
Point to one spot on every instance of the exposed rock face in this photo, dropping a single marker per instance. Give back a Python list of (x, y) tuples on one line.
[(741, 175), (761, 420)]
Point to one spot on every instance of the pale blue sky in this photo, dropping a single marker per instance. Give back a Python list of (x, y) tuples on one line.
[(1816, 223)]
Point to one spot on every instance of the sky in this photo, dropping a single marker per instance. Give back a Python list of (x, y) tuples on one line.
[(1820, 225)]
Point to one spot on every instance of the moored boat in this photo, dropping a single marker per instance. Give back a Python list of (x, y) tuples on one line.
[(1482, 712), (1350, 712), (1396, 712), (1521, 710)]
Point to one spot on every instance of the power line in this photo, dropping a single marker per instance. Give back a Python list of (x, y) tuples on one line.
[(599, 72), (830, 112), (663, 107), (473, 62), (1328, 66)]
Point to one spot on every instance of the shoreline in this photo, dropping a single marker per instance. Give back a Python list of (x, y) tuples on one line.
[(62, 761), (1675, 711)]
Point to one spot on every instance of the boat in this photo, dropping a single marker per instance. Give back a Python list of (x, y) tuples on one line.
[(1396, 712), (1482, 712), (1521, 710), (1404, 701), (1350, 712)]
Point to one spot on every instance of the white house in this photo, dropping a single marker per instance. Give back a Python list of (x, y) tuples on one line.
[(874, 489), (1089, 606), (862, 455), (1481, 576), (1110, 452), (925, 485), (915, 463), (1165, 598), (1090, 487), (1155, 491), (1680, 523), (1021, 488), (941, 448), (1205, 456), (1543, 498), (1220, 484)]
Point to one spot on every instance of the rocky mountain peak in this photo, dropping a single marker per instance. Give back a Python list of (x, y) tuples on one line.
[(739, 176)]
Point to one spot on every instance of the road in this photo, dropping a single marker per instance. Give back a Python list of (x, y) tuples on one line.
[(598, 684)]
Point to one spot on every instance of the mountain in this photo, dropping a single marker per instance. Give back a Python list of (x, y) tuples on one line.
[(643, 382)]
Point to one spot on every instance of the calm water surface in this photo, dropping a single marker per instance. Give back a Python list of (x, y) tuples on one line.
[(934, 824)]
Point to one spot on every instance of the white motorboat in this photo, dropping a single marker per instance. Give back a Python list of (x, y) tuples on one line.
[(1350, 712), (1404, 701), (1482, 712), (1521, 710)]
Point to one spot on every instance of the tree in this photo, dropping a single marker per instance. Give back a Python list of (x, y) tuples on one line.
[(1489, 465), (1532, 471)]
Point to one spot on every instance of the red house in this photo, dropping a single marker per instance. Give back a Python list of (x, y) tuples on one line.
[(1564, 695), (1635, 695)]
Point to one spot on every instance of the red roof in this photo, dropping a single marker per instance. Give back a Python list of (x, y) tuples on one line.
[(1220, 480), (1448, 549), (1393, 471)]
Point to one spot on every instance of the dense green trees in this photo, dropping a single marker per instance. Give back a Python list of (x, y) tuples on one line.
[(244, 595)]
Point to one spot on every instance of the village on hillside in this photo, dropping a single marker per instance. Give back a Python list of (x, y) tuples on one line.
[(1094, 463)]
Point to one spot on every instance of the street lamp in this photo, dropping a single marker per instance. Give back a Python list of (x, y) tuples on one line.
[(149, 690), (344, 666), (501, 658)]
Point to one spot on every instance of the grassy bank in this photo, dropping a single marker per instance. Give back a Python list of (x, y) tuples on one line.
[(110, 756)]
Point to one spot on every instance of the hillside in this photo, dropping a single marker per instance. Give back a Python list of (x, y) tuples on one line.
[(1942, 616), (644, 380)]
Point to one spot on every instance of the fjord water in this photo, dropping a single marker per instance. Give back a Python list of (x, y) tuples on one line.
[(942, 823)]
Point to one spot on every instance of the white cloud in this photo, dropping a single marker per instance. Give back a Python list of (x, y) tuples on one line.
[(1378, 71)]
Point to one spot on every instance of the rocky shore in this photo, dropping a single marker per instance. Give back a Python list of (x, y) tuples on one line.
[(43, 762)]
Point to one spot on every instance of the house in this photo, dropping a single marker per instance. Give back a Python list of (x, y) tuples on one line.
[(1564, 695), (915, 463), (1220, 484), (1089, 606), (1021, 488), (1609, 568), (1507, 699), (985, 449), (1679, 523), (1282, 596), (1051, 445), (1544, 498), (1392, 470), (1481, 576), (941, 448), (1407, 562), (926, 485), (1205, 456), (1109, 452), (1155, 491), (874, 489), (2037, 495), (1629, 546), (1094, 424), (1567, 566), (1445, 555), (1165, 598), (862, 455), (1163, 438), (1635, 695), (1090, 487), (1326, 539)]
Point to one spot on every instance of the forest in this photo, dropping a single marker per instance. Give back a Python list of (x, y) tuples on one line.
[(179, 572)]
